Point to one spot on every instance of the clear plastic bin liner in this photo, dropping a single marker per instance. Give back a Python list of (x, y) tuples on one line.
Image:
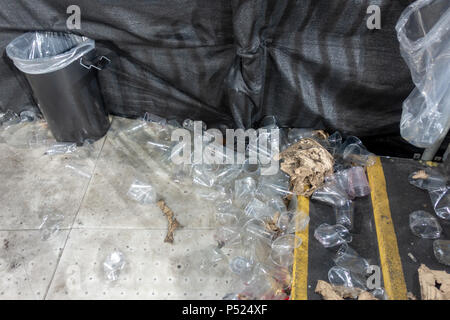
[(45, 52), (424, 34)]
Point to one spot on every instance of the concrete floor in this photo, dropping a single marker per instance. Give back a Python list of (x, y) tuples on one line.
[(89, 188)]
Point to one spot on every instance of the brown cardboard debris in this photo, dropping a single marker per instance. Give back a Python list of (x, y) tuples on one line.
[(173, 222), (326, 291), (434, 285), (366, 296), (421, 174), (307, 163), (272, 225), (330, 292)]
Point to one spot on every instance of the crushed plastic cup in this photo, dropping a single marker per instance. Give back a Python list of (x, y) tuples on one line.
[(441, 249), (228, 218), (257, 230), (348, 258), (50, 226), (358, 184), (277, 184), (8, 119), (427, 179), (357, 154), (229, 236), (440, 198), (424, 225), (339, 276), (205, 174), (61, 148), (291, 222), (244, 191), (113, 265), (331, 236), (213, 255), (344, 214), (331, 193), (283, 250), (258, 209), (242, 267), (142, 192), (334, 142)]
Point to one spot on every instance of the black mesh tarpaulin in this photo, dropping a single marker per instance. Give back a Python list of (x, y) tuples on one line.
[(311, 63)]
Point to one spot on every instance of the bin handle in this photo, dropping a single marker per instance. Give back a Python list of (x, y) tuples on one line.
[(98, 63)]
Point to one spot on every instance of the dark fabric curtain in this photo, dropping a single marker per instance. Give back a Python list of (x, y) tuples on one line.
[(311, 63)]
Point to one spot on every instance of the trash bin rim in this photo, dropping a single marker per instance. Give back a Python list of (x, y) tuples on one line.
[(67, 57)]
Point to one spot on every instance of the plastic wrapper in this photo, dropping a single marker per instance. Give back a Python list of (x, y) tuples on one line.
[(424, 225), (61, 148), (441, 249), (348, 258), (331, 236), (423, 31), (113, 265), (142, 192), (45, 52)]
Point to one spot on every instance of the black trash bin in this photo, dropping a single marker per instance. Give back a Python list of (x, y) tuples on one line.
[(61, 70)]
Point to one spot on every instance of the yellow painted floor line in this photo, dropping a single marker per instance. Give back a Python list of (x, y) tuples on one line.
[(391, 265), (300, 268)]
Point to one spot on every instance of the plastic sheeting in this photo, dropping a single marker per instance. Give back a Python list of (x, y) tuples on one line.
[(424, 35), (311, 63)]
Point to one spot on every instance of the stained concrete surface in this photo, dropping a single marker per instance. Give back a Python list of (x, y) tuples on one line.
[(89, 188)]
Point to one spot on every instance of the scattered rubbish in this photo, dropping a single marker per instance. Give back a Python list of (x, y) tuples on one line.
[(331, 193), (307, 163), (358, 184), (61, 148), (113, 265), (173, 222), (142, 192), (50, 226), (441, 249), (434, 285), (339, 276), (283, 248), (412, 257), (427, 179), (440, 198), (348, 258), (437, 186), (344, 214), (331, 236), (424, 225), (330, 292), (425, 46)]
